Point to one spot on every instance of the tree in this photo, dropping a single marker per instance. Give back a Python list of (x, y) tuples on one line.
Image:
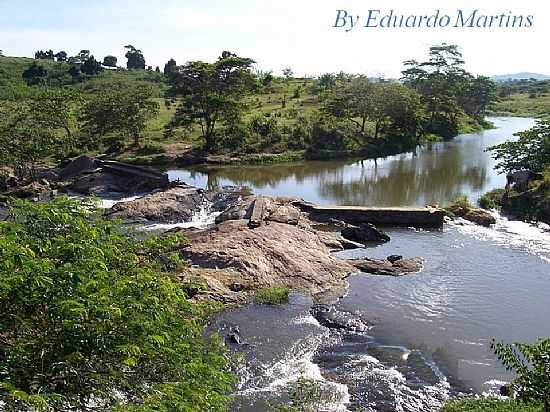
[(402, 109), (35, 75), (124, 112), (354, 102), (327, 81), (91, 66), (135, 58), (61, 56), (44, 55), (212, 93), (531, 364), (35, 130), (92, 318), (476, 95), (439, 81), (288, 73), (531, 151), (82, 56), (170, 68), (110, 61)]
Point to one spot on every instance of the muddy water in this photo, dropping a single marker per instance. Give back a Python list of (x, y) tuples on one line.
[(430, 332)]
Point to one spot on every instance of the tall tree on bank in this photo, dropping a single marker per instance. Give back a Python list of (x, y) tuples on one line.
[(135, 58), (212, 93), (448, 91)]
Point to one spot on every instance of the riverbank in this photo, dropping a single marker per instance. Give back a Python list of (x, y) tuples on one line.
[(177, 156)]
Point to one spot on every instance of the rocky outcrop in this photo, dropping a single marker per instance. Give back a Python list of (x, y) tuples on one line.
[(101, 177), (174, 205), (472, 214), (389, 267), (274, 254), (279, 248), (365, 232)]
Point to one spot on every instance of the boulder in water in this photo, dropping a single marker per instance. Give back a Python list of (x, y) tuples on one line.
[(385, 267), (365, 232)]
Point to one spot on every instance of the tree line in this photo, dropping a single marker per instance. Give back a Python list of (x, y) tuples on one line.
[(222, 100)]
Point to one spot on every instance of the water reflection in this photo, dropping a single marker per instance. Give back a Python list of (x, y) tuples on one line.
[(434, 173)]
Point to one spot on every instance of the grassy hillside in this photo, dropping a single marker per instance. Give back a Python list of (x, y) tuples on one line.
[(523, 98), (285, 104)]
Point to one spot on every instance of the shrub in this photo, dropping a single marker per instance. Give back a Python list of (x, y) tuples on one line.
[(492, 199), (91, 314), (272, 296), (531, 364), (489, 405)]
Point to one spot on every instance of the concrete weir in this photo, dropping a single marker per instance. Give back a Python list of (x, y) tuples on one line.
[(381, 216)]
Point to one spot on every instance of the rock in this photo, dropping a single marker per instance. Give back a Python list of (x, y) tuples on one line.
[(387, 268), (366, 232), (505, 390), (329, 317), (170, 206), (234, 338), (225, 199), (285, 214), (271, 255), (257, 215), (242, 209), (394, 258), (472, 214), (77, 167), (236, 287), (349, 244), (480, 217), (104, 183)]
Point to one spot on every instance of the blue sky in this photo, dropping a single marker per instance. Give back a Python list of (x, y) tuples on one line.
[(276, 34)]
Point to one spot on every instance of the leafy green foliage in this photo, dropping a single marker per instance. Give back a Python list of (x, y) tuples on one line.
[(272, 296), (304, 396), (492, 199), (531, 364), (489, 405), (447, 90), (36, 129), (531, 151), (212, 93), (122, 112), (91, 318)]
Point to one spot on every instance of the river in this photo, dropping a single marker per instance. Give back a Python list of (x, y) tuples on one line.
[(430, 332)]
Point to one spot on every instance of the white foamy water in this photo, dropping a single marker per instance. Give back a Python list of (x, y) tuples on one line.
[(200, 219), (532, 237), (298, 364)]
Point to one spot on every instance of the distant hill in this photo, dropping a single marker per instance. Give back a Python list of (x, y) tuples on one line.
[(519, 76)]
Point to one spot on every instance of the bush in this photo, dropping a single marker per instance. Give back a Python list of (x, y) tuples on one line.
[(531, 365), (492, 199), (272, 296), (489, 405), (91, 314)]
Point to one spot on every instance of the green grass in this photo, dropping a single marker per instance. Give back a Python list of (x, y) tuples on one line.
[(272, 296), (489, 405), (522, 105)]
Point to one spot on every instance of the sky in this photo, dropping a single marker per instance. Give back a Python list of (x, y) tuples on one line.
[(276, 34)]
